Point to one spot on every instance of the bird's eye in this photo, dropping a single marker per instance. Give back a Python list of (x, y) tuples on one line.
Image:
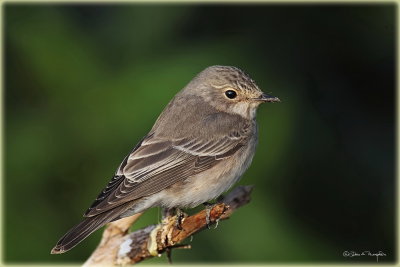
[(230, 94)]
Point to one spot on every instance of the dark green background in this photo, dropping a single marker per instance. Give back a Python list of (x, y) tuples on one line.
[(83, 84)]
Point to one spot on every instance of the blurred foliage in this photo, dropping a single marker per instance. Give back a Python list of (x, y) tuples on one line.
[(83, 84)]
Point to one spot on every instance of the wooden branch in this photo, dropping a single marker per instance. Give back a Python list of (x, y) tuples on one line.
[(118, 247), (106, 251)]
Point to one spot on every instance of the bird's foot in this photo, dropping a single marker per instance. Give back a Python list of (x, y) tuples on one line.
[(180, 215), (209, 207)]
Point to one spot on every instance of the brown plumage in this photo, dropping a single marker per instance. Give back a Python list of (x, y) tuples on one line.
[(198, 148)]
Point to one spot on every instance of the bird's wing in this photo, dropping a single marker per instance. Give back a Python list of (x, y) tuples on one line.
[(155, 164)]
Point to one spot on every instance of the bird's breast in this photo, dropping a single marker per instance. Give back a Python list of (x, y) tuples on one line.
[(211, 183)]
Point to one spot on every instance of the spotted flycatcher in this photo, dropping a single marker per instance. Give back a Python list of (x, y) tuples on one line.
[(200, 145)]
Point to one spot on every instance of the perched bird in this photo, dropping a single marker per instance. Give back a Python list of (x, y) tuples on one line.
[(200, 145)]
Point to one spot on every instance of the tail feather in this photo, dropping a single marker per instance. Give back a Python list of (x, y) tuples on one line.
[(82, 230)]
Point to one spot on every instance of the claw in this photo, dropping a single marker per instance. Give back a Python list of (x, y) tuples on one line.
[(208, 213), (209, 207)]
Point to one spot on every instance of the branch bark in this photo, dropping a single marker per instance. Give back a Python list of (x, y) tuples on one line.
[(118, 247)]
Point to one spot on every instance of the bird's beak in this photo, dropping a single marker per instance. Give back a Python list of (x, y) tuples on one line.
[(267, 98)]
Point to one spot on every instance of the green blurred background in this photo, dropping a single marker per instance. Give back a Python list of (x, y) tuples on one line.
[(83, 84)]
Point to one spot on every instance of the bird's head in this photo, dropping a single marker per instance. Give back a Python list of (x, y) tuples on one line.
[(229, 89)]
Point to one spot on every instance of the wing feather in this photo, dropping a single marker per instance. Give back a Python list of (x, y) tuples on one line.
[(155, 164)]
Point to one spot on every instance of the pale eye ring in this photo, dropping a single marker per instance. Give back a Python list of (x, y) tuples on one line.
[(230, 94)]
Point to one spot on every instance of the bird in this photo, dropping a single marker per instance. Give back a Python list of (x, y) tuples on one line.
[(200, 145)]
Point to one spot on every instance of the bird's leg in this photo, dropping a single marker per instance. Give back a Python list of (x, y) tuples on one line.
[(168, 212), (220, 198), (179, 216)]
